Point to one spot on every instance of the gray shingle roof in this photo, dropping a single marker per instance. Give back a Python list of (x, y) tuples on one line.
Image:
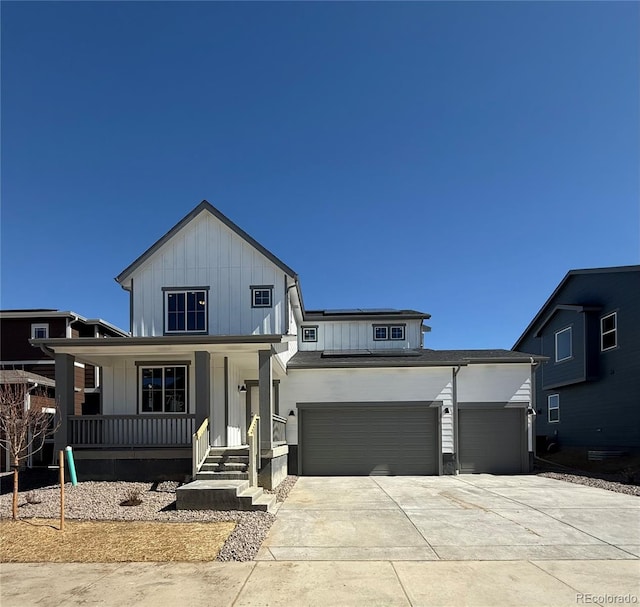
[(18, 376), (406, 358)]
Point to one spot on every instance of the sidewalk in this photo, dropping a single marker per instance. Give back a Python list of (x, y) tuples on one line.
[(321, 583)]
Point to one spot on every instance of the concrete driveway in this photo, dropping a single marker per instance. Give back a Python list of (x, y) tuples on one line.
[(451, 518)]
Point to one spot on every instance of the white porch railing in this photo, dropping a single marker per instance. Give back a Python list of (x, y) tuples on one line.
[(200, 442), (253, 438), (130, 430)]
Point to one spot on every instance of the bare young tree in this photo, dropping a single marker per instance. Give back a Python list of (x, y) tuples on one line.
[(26, 419)]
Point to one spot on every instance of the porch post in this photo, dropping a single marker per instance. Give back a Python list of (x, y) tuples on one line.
[(265, 383), (65, 397), (203, 386)]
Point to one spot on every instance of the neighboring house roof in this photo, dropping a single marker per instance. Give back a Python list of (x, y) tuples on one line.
[(405, 358), (544, 310), (53, 313), (365, 314), (204, 206), (17, 376)]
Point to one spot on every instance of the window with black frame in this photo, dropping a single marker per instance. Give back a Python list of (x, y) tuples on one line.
[(163, 389)]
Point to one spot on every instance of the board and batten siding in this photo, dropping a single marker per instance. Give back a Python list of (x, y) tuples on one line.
[(120, 387), (370, 385), (206, 253), (358, 335)]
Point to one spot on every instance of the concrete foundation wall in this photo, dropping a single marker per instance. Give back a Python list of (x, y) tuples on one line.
[(272, 471), (142, 470)]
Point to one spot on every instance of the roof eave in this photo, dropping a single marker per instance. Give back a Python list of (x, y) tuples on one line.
[(167, 340)]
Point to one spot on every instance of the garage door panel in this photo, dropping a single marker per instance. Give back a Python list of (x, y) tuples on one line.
[(364, 440), (491, 441)]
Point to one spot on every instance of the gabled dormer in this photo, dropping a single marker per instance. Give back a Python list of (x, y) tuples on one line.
[(207, 276)]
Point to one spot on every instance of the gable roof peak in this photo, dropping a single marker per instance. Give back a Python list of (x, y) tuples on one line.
[(568, 276), (204, 206)]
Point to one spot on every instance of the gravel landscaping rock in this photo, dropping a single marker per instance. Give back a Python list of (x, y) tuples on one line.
[(592, 481), (93, 500), (284, 488)]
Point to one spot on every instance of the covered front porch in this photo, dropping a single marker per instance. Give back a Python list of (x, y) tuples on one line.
[(166, 401)]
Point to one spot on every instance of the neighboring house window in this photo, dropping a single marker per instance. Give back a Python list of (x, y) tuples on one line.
[(163, 389), (380, 333), (309, 334), (186, 311), (40, 331), (553, 405), (609, 331), (563, 344), (261, 296), (392, 332)]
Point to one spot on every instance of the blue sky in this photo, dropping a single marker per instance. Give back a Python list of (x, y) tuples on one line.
[(456, 158)]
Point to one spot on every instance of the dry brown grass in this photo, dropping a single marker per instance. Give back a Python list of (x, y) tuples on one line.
[(40, 540)]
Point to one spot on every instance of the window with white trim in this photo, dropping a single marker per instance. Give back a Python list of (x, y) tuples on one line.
[(309, 333), (563, 344), (40, 331), (609, 331), (553, 408), (380, 333), (396, 332), (185, 311), (262, 296), (163, 389), (388, 332)]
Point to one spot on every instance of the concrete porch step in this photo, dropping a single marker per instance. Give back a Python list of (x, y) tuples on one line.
[(228, 451), (213, 475), (223, 495), (209, 465), (231, 459)]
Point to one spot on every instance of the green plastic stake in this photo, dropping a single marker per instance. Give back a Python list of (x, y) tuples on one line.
[(72, 466)]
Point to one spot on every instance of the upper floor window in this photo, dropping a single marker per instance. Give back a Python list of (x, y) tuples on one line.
[(563, 344), (163, 389), (609, 331), (40, 331), (186, 311), (396, 332), (309, 333), (553, 408), (388, 332), (380, 333), (261, 296)]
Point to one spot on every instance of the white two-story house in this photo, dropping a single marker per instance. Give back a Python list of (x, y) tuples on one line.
[(220, 335)]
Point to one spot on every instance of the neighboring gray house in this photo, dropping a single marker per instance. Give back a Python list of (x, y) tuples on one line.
[(588, 393), (220, 335)]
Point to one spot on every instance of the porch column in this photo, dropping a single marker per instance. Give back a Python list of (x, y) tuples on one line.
[(265, 382), (203, 386), (65, 397)]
